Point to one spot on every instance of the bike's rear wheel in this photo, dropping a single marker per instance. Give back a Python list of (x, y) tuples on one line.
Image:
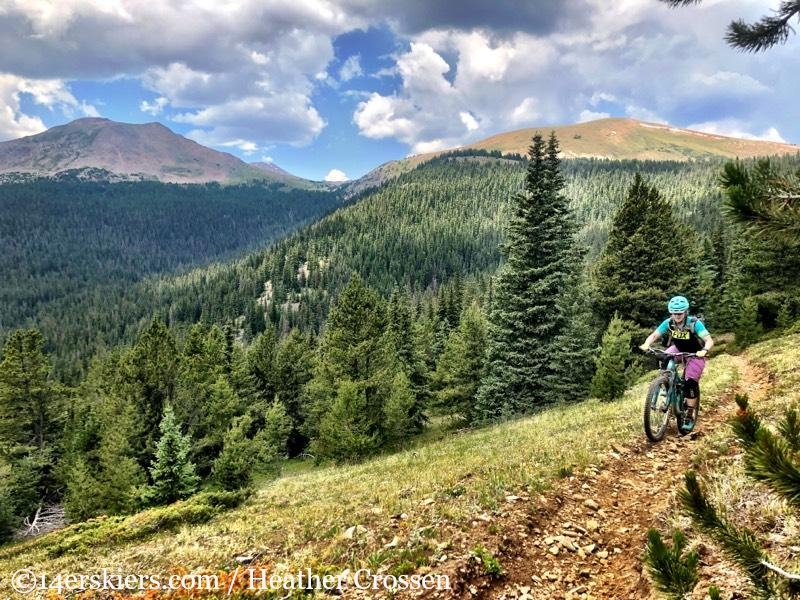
[(657, 409)]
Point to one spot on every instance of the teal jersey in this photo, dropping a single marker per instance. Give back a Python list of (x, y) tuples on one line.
[(699, 329)]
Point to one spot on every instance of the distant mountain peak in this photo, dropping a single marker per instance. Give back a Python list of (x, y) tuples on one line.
[(620, 138), (133, 151)]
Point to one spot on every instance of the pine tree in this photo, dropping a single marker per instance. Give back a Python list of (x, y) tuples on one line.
[(784, 319), (771, 460), (261, 360), (764, 262), (274, 436), (747, 327), (398, 422), (576, 347), (353, 350), (461, 366), (27, 400), (404, 345), (173, 474), (526, 315), (148, 380), (7, 519), (674, 572), (233, 468), (649, 257), (84, 498), (29, 414), (294, 368), (761, 35), (99, 469), (609, 381), (345, 431)]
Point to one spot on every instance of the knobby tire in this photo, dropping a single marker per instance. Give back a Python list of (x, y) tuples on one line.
[(654, 427)]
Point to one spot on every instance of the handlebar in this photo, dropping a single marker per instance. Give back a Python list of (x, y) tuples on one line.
[(661, 353)]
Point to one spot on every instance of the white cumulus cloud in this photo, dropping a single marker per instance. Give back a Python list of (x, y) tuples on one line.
[(50, 93), (469, 121), (590, 115), (738, 129), (336, 176), (154, 108)]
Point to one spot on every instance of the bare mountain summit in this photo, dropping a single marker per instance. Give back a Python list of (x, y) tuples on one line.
[(620, 139), (149, 151)]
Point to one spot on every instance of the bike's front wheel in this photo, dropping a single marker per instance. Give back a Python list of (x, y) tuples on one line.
[(657, 409)]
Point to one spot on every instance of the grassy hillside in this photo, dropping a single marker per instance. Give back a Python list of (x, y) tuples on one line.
[(410, 511), (445, 502)]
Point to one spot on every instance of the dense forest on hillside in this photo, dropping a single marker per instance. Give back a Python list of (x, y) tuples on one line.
[(68, 244), (446, 217)]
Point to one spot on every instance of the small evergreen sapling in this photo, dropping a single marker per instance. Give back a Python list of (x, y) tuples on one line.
[(173, 474), (609, 381), (772, 460), (747, 327), (674, 573), (233, 468)]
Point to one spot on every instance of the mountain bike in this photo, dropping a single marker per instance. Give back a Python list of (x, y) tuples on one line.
[(665, 396)]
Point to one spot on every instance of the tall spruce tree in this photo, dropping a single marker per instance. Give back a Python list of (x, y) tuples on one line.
[(294, 368), (402, 342), (649, 257), (98, 469), (526, 315), (461, 366), (355, 352), (26, 395), (148, 380)]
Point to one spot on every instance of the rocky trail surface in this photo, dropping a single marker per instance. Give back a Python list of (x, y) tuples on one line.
[(585, 538)]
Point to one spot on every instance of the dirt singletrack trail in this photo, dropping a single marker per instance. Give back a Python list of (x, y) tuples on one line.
[(586, 537)]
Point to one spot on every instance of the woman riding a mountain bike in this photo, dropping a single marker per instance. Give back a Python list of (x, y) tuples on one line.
[(686, 334)]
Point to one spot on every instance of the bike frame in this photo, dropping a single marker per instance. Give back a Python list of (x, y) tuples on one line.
[(676, 379), (672, 379)]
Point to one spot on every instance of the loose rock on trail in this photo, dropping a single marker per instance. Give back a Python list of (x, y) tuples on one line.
[(585, 538)]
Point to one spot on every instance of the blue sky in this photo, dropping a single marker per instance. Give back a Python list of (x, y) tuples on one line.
[(333, 88)]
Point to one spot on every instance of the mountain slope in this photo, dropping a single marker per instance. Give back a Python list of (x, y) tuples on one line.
[(614, 139), (493, 493), (149, 151), (621, 139), (275, 173)]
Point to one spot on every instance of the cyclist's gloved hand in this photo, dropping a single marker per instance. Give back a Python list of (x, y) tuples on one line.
[(701, 353), (644, 347)]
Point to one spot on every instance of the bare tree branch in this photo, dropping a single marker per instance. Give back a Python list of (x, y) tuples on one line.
[(46, 519), (781, 572)]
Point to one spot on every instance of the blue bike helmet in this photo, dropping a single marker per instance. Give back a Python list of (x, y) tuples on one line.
[(678, 304)]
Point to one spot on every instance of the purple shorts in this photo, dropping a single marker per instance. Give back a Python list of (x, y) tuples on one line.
[(694, 365)]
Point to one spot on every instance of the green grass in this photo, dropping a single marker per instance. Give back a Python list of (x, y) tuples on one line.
[(406, 509)]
